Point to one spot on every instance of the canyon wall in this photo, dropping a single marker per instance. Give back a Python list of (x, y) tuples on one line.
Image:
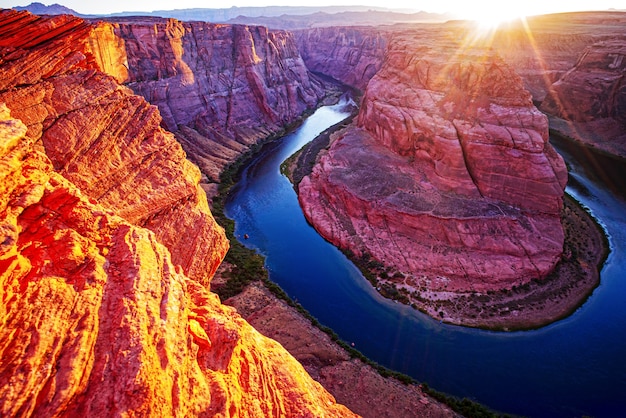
[(447, 177), (107, 249), (220, 88), (102, 137), (97, 320), (351, 55), (589, 102), (541, 49)]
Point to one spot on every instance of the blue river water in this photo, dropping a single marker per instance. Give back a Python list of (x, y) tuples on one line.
[(572, 368)]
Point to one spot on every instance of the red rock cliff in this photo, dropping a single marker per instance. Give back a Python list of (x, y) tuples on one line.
[(590, 99), (349, 54), (447, 177), (102, 137), (97, 321), (220, 87)]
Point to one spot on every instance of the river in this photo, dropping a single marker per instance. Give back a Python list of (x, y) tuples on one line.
[(572, 368)]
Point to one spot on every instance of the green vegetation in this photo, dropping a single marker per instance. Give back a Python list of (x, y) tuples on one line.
[(465, 407), (247, 265)]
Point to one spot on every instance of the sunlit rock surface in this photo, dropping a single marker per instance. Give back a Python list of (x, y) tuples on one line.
[(100, 316), (447, 177), (98, 321), (101, 136)]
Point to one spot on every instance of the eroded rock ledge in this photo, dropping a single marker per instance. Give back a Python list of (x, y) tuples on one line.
[(101, 136), (447, 178), (98, 321)]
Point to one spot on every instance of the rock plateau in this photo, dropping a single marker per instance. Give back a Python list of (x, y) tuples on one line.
[(447, 177)]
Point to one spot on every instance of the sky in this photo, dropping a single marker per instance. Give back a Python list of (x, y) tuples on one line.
[(467, 8)]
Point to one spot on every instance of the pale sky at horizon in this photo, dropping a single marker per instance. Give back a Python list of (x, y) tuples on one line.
[(469, 8)]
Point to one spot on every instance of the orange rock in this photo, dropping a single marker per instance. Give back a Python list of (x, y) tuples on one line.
[(97, 321), (102, 137), (98, 317)]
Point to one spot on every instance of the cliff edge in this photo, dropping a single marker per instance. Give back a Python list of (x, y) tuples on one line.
[(98, 321), (107, 249), (101, 136), (447, 178)]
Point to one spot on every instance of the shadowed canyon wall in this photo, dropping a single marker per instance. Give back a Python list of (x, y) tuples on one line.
[(589, 101), (100, 315), (348, 54), (220, 88), (447, 176)]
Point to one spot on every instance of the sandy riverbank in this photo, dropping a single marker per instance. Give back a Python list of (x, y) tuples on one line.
[(535, 304)]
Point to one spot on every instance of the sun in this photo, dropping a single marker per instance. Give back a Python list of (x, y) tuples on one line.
[(488, 19)]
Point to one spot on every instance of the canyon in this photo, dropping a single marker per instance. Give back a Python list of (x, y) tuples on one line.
[(588, 103), (447, 118), (219, 88), (108, 249), (115, 132)]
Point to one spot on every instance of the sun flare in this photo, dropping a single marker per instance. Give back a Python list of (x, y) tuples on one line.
[(490, 19)]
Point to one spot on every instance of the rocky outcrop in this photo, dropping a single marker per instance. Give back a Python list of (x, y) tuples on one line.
[(351, 55), (589, 102), (102, 137), (221, 88), (353, 383), (98, 321), (447, 178)]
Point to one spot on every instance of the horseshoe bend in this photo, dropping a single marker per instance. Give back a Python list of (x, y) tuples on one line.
[(447, 189), (444, 189)]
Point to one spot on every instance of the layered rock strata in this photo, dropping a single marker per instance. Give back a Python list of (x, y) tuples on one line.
[(351, 55), (221, 88), (101, 136), (447, 177), (98, 321), (589, 101)]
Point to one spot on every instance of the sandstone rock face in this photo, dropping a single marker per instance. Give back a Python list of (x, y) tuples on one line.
[(351, 55), (102, 137), (98, 321), (353, 383), (447, 177), (596, 83), (592, 97), (222, 87)]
